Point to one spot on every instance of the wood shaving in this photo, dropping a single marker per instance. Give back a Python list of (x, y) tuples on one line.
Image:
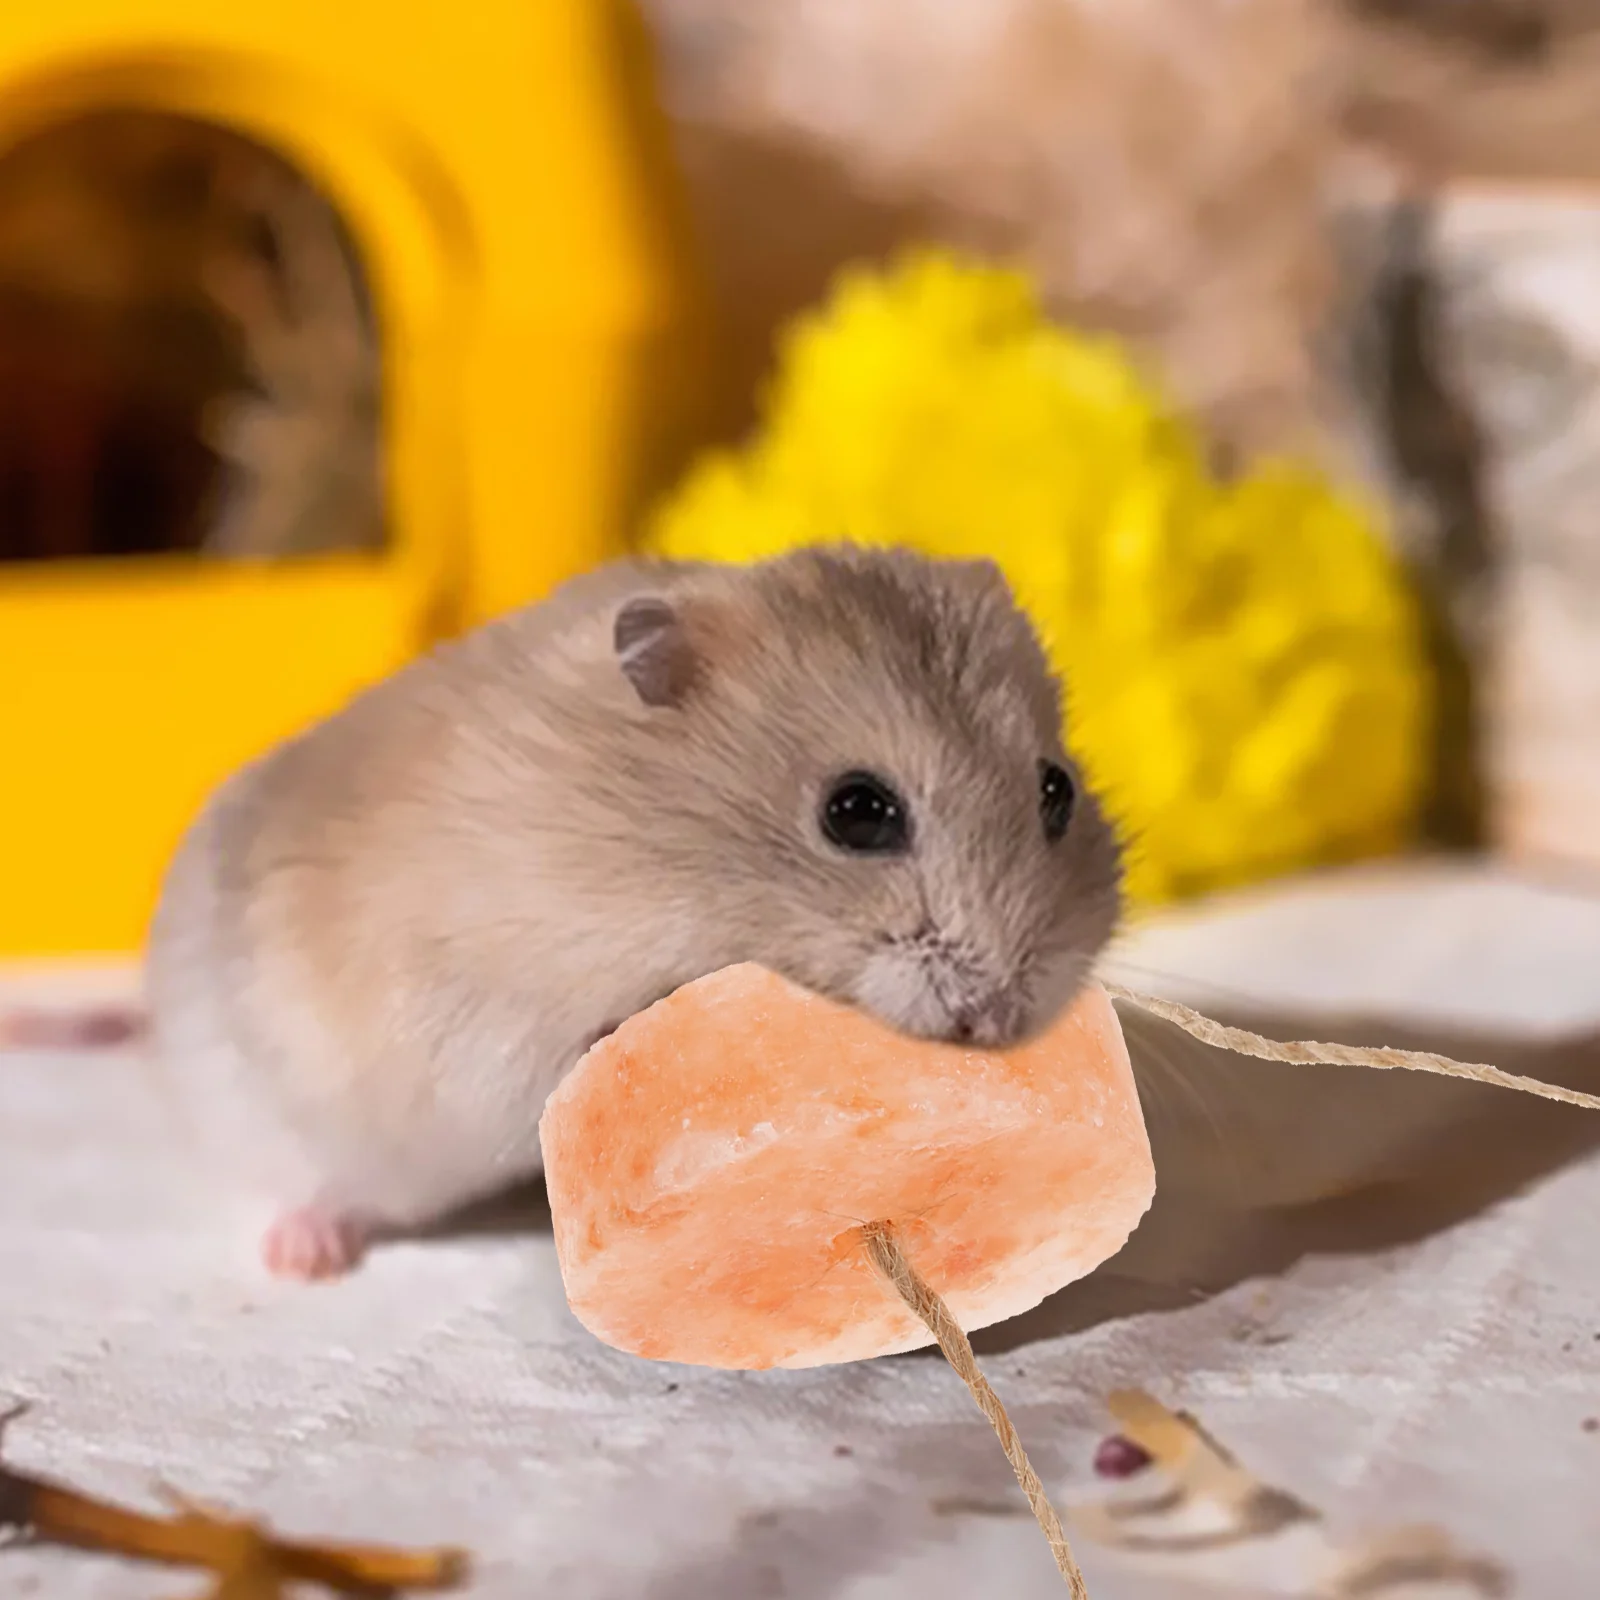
[(246, 1561), (1205, 1484)]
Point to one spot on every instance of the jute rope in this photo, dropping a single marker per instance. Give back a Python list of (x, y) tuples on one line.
[(890, 1260), (1308, 1053)]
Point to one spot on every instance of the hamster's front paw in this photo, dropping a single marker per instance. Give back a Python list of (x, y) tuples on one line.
[(313, 1242)]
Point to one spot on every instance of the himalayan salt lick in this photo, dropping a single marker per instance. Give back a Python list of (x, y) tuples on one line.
[(712, 1163)]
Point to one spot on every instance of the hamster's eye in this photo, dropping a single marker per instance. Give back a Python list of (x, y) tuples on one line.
[(1056, 794), (863, 815)]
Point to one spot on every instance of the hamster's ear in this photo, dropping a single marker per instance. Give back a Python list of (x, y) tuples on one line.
[(654, 650)]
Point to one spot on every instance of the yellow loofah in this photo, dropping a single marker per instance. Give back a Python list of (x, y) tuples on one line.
[(1247, 687)]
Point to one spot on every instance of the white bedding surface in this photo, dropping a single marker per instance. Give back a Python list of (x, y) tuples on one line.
[(1426, 1352)]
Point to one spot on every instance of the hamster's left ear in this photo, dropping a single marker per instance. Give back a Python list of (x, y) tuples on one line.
[(654, 650)]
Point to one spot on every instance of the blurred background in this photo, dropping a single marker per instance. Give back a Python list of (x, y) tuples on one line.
[(1256, 338)]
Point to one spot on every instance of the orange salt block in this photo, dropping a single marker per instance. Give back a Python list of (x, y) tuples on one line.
[(710, 1165)]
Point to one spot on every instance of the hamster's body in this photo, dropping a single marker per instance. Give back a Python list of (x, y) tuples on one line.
[(381, 946)]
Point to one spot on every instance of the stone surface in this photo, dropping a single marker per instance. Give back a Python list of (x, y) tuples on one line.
[(710, 1164)]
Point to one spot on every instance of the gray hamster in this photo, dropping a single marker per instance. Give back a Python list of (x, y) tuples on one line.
[(381, 946)]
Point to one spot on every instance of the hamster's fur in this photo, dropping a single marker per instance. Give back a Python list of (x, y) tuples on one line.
[(382, 946)]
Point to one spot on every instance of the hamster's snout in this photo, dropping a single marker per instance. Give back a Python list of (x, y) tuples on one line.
[(994, 1019), (925, 988)]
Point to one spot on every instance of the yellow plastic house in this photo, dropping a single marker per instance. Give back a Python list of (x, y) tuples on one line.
[(496, 163)]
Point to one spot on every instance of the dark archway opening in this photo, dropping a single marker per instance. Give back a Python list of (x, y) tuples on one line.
[(188, 353)]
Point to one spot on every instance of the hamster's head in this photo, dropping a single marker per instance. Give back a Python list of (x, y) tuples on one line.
[(851, 765)]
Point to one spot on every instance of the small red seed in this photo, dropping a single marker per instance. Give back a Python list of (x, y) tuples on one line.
[(1119, 1457)]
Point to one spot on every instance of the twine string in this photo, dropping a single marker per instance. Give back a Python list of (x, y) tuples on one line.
[(884, 1251), (1306, 1052)]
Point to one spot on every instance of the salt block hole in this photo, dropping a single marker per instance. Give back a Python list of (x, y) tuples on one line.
[(158, 272)]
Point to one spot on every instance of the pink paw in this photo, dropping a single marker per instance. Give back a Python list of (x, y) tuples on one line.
[(310, 1243)]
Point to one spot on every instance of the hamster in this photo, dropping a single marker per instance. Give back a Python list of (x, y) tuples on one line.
[(381, 947)]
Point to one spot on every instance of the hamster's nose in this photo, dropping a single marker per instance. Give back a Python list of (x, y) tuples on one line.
[(992, 1019)]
